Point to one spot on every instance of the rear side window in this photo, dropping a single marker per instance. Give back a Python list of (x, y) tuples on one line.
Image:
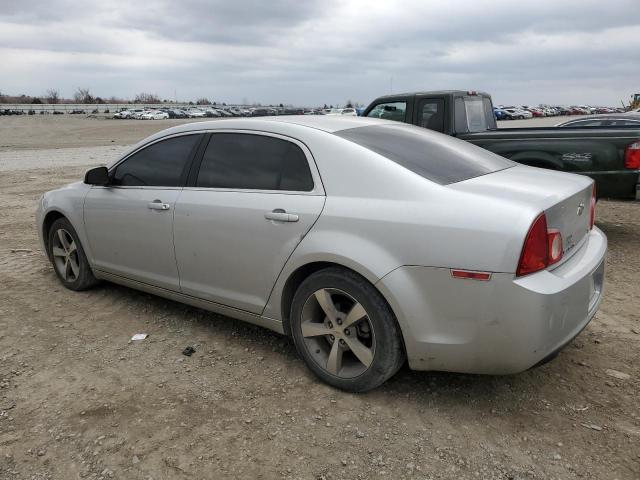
[(437, 158), (431, 114), (159, 165), (254, 162), (389, 111)]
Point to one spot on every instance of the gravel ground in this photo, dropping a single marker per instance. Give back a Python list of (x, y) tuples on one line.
[(79, 400)]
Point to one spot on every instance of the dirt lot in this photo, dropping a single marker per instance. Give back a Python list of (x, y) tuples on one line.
[(78, 400)]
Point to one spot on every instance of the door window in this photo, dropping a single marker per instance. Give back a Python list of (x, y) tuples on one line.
[(161, 164), (254, 162), (431, 114), (390, 111)]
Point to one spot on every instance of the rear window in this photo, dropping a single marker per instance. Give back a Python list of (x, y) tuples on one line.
[(474, 114), (433, 156)]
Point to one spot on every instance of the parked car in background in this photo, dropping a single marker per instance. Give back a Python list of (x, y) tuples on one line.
[(476, 287), (619, 120), (518, 114), (609, 155), (262, 112), (500, 114), (122, 114), (195, 113), (350, 112), (154, 115), (177, 113)]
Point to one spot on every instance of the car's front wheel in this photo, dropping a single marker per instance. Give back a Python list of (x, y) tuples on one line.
[(68, 257), (345, 331)]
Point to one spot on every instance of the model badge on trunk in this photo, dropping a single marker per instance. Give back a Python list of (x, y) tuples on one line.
[(580, 208)]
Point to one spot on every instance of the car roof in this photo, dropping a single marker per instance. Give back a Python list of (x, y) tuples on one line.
[(435, 93), (272, 124), (325, 123)]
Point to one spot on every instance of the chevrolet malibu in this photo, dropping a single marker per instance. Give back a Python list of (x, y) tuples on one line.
[(370, 242)]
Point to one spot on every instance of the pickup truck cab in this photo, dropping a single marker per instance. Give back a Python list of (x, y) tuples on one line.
[(609, 155)]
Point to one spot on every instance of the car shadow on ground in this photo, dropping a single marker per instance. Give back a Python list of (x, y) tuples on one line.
[(428, 387)]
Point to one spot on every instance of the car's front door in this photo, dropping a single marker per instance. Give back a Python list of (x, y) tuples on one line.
[(129, 223), (254, 198)]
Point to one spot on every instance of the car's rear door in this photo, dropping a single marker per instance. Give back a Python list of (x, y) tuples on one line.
[(252, 200), (129, 223)]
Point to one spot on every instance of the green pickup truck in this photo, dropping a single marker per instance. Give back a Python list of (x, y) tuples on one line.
[(609, 155)]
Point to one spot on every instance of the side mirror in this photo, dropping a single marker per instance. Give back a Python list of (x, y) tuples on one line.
[(97, 176)]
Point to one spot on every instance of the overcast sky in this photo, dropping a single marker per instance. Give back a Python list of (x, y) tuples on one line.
[(309, 52)]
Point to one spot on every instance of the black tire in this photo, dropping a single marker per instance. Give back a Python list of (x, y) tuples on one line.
[(84, 278), (388, 350)]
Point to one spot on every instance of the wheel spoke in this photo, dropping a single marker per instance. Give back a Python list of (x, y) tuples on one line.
[(356, 314), (363, 353), (313, 329), (58, 252), (334, 362), (74, 267), (72, 246), (324, 299), (64, 243), (65, 269)]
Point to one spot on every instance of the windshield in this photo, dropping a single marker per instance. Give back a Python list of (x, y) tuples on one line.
[(436, 157)]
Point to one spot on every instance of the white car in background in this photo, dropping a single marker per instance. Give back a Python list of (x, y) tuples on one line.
[(350, 112), (518, 114), (195, 113), (154, 115), (122, 114)]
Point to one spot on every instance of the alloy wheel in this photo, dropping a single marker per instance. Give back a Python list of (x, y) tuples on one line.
[(65, 255), (337, 333)]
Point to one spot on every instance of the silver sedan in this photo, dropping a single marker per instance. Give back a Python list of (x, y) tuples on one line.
[(370, 242)]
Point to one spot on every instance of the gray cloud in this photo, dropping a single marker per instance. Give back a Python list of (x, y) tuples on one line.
[(312, 52)]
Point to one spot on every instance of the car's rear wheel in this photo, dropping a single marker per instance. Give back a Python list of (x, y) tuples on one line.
[(68, 257), (345, 331)]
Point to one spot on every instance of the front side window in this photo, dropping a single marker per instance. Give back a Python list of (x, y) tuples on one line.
[(431, 114), (159, 165), (254, 162), (389, 111)]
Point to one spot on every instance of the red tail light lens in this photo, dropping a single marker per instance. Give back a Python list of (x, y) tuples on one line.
[(534, 256), (542, 248), (632, 156), (592, 208)]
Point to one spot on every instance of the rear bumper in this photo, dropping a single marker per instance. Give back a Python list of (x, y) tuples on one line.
[(502, 326), (617, 184)]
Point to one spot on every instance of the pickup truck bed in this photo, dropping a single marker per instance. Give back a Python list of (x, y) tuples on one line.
[(594, 151)]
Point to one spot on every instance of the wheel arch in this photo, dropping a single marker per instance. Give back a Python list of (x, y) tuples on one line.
[(300, 274), (48, 220)]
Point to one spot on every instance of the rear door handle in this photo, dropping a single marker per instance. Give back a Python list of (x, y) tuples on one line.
[(158, 205), (279, 215)]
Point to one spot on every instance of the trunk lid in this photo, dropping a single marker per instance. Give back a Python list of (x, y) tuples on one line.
[(563, 197)]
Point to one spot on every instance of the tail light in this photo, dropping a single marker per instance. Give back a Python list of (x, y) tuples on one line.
[(541, 248), (592, 207), (632, 156)]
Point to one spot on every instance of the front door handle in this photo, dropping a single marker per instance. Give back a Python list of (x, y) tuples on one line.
[(158, 205), (279, 215)]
